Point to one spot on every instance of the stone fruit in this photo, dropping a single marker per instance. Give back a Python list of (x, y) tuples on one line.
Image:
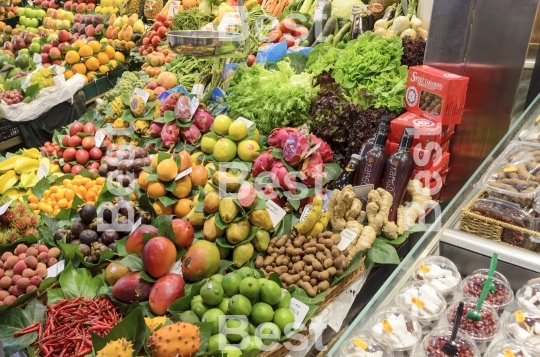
[(135, 241), (114, 272), (165, 291), (120, 347), (200, 261), (224, 150), (131, 287), (158, 256), (180, 339), (210, 230), (238, 231), (183, 232)]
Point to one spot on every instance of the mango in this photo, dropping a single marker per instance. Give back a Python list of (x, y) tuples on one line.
[(200, 261), (261, 218), (227, 210), (131, 288), (261, 241), (210, 231), (242, 253), (238, 231), (227, 180), (165, 291), (158, 256), (135, 241), (211, 202)]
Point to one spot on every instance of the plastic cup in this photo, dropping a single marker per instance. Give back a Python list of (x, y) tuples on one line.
[(435, 340), (398, 328), (364, 344), (523, 325), (439, 272), (471, 287), (528, 297), (481, 332), (424, 302), (496, 275), (507, 348)]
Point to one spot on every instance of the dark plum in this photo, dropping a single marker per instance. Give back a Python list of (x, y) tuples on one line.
[(88, 237), (77, 227), (90, 259), (109, 236), (139, 153), (112, 246), (105, 211), (87, 213)]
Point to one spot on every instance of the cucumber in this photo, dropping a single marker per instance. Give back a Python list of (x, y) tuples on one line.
[(328, 29), (341, 33)]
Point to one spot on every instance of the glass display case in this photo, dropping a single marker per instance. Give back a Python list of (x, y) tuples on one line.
[(467, 252)]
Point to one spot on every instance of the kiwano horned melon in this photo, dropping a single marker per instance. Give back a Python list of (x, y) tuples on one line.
[(180, 339), (118, 348)]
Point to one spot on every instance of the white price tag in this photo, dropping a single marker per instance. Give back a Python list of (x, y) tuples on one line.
[(347, 236), (56, 269), (36, 58), (144, 77), (173, 8), (248, 122), (184, 173), (307, 209), (362, 191), (193, 105), (177, 268), (5, 207), (358, 8), (198, 90), (137, 224), (313, 149), (144, 95), (43, 170), (99, 136), (319, 5), (300, 310), (276, 213)]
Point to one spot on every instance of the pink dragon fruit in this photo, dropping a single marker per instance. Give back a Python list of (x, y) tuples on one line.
[(170, 134), (278, 136), (312, 170), (263, 163), (203, 120), (181, 109), (272, 195), (324, 148), (169, 102), (296, 146), (280, 175), (191, 135), (155, 130)]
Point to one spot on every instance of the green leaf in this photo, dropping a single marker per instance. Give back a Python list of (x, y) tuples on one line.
[(188, 316), (145, 204), (168, 116), (121, 247), (285, 227), (184, 303), (79, 283), (219, 223), (132, 261), (332, 171), (275, 278), (35, 311), (382, 253), (224, 265), (167, 201), (12, 321), (40, 187), (10, 247), (205, 329), (54, 295), (146, 277), (107, 196), (277, 153)]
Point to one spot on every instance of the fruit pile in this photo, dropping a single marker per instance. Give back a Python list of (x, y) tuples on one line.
[(91, 59), (49, 149), (12, 97), (22, 271), (123, 32), (58, 197), (123, 166), (18, 221), (87, 26), (57, 20), (43, 78), (152, 39), (108, 7), (22, 169)]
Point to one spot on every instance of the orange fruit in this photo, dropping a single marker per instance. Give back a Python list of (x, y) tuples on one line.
[(78, 44), (92, 64), (90, 76), (142, 180), (86, 51), (95, 45), (161, 209), (119, 56), (130, 45), (155, 190), (182, 207), (199, 175), (68, 74), (79, 68), (72, 57), (33, 199), (154, 162), (167, 170), (102, 58), (109, 51), (104, 69), (182, 187), (113, 63)]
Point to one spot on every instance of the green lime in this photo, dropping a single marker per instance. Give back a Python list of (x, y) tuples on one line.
[(250, 287), (231, 283), (224, 306), (285, 300), (199, 308), (196, 298), (239, 305), (236, 329), (270, 292), (244, 272), (231, 351), (262, 312), (217, 342), (218, 278), (257, 274), (212, 293), (284, 318), (214, 315), (268, 332), (254, 343)]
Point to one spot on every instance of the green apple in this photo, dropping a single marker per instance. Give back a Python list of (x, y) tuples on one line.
[(34, 47), (41, 14), (34, 22), (24, 51), (20, 11), (28, 11), (22, 20), (51, 37), (36, 39)]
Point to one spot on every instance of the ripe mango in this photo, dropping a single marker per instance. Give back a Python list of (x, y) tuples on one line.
[(158, 256), (165, 291), (114, 272), (131, 287), (200, 261)]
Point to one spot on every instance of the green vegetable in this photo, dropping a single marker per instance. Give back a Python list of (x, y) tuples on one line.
[(191, 19), (343, 8), (322, 58), (327, 31), (306, 5), (342, 33), (271, 98)]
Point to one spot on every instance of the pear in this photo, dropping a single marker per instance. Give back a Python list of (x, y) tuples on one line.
[(117, 23), (121, 33), (112, 19), (242, 254), (125, 20), (108, 33), (128, 33), (138, 27), (132, 19)]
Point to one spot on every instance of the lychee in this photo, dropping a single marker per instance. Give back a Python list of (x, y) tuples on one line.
[(5, 256), (41, 265), (54, 252), (31, 288), (10, 262), (1, 264), (43, 249), (51, 262), (23, 283), (1, 303), (43, 257), (9, 273), (10, 289), (1, 273), (3, 294), (21, 248), (42, 272), (15, 279), (31, 262), (22, 256), (19, 267), (16, 291), (9, 300), (36, 280), (28, 273), (32, 251)]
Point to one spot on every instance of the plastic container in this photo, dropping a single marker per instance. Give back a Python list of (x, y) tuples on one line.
[(441, 273), (398, 328), (471, 287), (507, 348), (435, 340), (496, 275), (524, 326), (481, 332), (528, 296), (424, 302), (364, 344)]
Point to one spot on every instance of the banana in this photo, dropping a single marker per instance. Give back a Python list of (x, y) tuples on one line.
[(7, 181), (312, 217), (8, 163), (317, 228), (25, 164), (31, 153)]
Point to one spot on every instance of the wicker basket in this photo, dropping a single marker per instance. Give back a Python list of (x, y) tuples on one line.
[(491, 228)]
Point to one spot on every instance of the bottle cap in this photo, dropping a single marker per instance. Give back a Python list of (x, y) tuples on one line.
[(386, 119), (406, 142), (380, 140), (356, 157)]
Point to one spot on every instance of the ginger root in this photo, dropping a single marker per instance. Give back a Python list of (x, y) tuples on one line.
[(375, 219), (363, 242), (332, 202), (421, 199), (354, 210), (390, 230), (343, 202), (385, 203), (401, 220), (361, 217)]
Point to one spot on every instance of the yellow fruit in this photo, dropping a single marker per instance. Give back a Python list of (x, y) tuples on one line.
[(72, 57), (68, 74), (109, 51), (86, 51), (119, 56), (182, 207), (167, 170), (182, 187), (92, 64), (102, 58), (155, 190), (79, 68), (104, 69), (78, 44), (95, 45), (161, 209), (142, 180), (90, 76), (112, 63)]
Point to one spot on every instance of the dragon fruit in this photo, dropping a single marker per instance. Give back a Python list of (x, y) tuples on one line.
[(181, 109), (312, 170), (170, 134), (155, 130), (273, 195), (278, 136), (324, 149), (280, 175), (263, 163), (169, 102), (191, 135), (203, 120), (296, 146)]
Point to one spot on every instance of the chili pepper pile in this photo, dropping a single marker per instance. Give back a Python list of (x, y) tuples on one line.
[(67, 329)]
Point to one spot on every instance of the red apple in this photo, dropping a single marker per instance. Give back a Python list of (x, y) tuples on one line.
[(82, 156), (46, 48), (45, 58), (55, 53), (152, 85), (65, 140), (183, 232), (95, 153), (75, 128), (69, 154), (67, 5)]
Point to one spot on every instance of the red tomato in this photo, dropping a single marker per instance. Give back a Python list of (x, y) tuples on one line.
[(161, 17), (162, 32), (289, 39), (145, 41), (157, 25), (250, 60), (301, 31), (274, 36), (287, 25), (155, 41)]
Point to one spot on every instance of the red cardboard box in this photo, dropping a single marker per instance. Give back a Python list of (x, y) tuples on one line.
[(423, 158), (433, 186), (435, 94), (425, 130), (429, 174)]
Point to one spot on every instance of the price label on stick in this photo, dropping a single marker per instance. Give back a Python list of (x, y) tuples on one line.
[(319, 5), (144, 77), (137, 224), (173, 8), (347, 236), (99, 136), (198, 90), (300, 310), (307, 209), (144, 95), (193, 105), (184, 173), (43, 170), (248, 122), (313, 149), (56, 269), (5, 207), (276, 213)]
